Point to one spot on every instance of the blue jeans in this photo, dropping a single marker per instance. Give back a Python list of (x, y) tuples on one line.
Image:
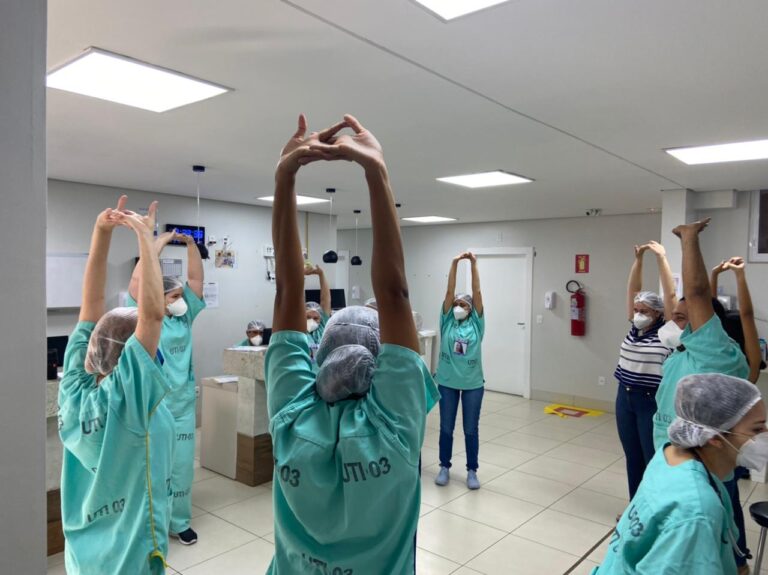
[(634, 419), (471, 401), (732, 487)]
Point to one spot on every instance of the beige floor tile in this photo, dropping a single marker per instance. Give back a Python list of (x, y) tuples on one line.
[(270, 537), (251, 558), (254, 514), (620, 466), (562, 531), (584, 568), (493, 509), (598, 555), (502, 421), (593, 506), (506, 457), (454, 537), (436, 496), (218, 492), (197, 512), (597, 441), (548, 431), (425, 508), (529, 488), (558, 470), (201, 473), (216, 536), (609, 483), (608, 428), (486, 472), (518, 556), (584, 455), (466, 571), (525, 442), (430, 564)]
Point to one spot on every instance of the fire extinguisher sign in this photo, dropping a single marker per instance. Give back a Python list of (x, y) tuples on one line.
[(582, 263)]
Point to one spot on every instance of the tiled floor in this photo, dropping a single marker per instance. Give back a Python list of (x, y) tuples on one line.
[(551, 490)]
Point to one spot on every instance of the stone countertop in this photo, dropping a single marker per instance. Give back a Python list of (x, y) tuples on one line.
[(51, 398)]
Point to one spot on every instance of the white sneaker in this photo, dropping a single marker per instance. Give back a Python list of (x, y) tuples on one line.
[(443, 477)]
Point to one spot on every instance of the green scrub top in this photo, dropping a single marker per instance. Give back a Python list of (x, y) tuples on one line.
[(176, 348), (709, 349), (461, 357), (346, 480), (118, 439), (675, 524)]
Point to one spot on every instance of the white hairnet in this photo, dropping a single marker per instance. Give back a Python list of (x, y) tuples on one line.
[(707, 404), (651, 299), (371, 303), (313, 306), (464, 297), (353, 325), (108, 339), (171, 283), (255, 325), (346, 373)]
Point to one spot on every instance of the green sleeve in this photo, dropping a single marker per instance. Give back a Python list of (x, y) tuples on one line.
[(478, 321), (287, 368), (446, 320), (194, 304), (685, 548)]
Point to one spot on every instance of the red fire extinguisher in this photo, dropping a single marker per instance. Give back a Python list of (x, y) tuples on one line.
[(578, 308)]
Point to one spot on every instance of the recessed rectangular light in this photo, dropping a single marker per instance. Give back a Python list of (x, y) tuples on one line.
[(429, 219), (735, 152), (300, 200), (485, 179), (450, 9), (107, 76)]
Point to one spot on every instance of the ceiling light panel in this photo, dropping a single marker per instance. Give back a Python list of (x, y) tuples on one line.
[(123, 80), (485, 179), (300, 200), (429, 219), (735, 152), (450, 9)]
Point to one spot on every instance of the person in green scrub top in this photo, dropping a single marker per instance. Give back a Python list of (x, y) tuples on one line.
[(460, 370), (346, 441), (183, 303), (117, 432), (701, 345), (317, 314), (680, 520), (254, 334)]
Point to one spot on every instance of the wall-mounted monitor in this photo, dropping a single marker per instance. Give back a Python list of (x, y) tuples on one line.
[(338, 297), (198, 233)]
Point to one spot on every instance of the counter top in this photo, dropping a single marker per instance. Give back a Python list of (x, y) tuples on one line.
[(51, 398)]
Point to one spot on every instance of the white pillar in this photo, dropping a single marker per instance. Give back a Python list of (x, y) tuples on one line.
[(22, 285), (677, 208)]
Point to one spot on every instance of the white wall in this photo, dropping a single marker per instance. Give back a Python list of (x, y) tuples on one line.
[(562, 367), (245, 293), (22, 284), (726, 236)]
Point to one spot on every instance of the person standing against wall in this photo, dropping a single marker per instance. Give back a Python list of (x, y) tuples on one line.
[(640, 363), (183, 302), (460, 370)]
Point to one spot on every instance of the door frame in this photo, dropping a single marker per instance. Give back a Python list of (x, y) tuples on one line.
[(528, 253)]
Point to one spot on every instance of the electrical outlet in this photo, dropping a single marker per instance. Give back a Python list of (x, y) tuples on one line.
[(601, 380), (539, 318)]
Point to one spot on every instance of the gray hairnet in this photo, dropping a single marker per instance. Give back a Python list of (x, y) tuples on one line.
[(171, 283), (465, 297), (371, 303), (707, 404), (417, 319), (255, 325), (354, 325), (651, 299), (347, 372), (108, 339), (313, 306)]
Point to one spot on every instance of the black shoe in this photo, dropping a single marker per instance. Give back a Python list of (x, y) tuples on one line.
[(187, 537)]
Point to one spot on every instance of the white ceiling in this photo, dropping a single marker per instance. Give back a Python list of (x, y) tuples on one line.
[(581, 96)]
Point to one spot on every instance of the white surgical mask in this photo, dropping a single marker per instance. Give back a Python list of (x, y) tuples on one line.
[(754, 453), (641, 321), (670, 334), (256, 340), (312, 325), (177, 308), (460, 313)]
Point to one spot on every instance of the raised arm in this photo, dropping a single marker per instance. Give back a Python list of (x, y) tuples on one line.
[(714, 277), (325, 290), (95, 278), (289, 311), (450, 290), (195, 273), (747, 316), (388, 262), (151, 303), (696, 288), (477, 296), (159, 245), (635, 282), (665, 275)]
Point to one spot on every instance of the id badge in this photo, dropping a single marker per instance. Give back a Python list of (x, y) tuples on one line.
[(460, 346)]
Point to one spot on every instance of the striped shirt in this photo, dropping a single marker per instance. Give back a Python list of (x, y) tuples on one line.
[(641, 358)]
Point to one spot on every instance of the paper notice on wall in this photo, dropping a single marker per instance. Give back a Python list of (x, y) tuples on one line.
[(211, 294), (678, 285)]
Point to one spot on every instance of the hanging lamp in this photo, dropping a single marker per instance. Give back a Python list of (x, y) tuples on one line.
[(356, 261), (330, 257), (199, 242)]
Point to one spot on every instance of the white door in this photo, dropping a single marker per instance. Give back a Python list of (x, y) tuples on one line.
[(506, 283)]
